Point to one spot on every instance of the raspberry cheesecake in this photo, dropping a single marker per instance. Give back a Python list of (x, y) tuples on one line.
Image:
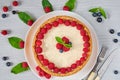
[(62, 46)]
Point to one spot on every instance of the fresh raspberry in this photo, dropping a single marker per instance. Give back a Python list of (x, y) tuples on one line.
[(45, 62), (30, 22), (4, 32), (67, 23), (85, 50), (65, 49), (38, 43), (66, 8), (24, 65), (82, 32), (65, 39), (15, 3), (59, 46), (73, 66), (47, 9), (78, 62), (60, 21), (21, 44), (55, 23), (5, 9), (82, 59), (86, 38), (43, 30), (40, 36), (48, 76), (56, 70), (38, 68), (79, 26), (40, 57), (63, 70), (48, 26), (51, 65), (69, 69), (42, 73), (85, 55), (38, 50), (86, 44), (73, 23)]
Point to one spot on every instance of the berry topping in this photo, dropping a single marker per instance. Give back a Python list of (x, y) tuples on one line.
[(43, 30), (86, 44), (66, 8), (85, 49), (48, 76), (73, 23), (40, 57), (42, 73), (86, 38), (40, 36), (67, 22), (118, 33), (85, 55), (115, 40), (21, 44), (61, 51), (9, 64), (38, 68), (65, 49), (51, 65), (69, 69), (78, 62), (82, 59), (25, 65), (79, 26), (99, 19), (4, 15), (5, 58), (55, 23), (45, 62), (65, 39), (38, 43), (14, 12), (5, 9), (47, 9), (59, 46), (30, 22), (60, 21), (38, 50), (94, 14), (83, 32), (48, 26), (112, 31), (4, 32), (15, 3), (56, 70), (63, 70), (73, 66), (99, 14), (116, 72)]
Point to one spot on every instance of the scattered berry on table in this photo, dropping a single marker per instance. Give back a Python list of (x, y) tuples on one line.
[(118, 33), (5, 58), (115, 72), (99, 19), (66, 8), (5, 9), (14, 12), (47, 9), (99, 14), (94, 14), (4, 32), (25, 65), (112, 31), (30, 22), (9, 64), (115, 40), (61, 51), (21, 44), (4, 15), (15, 3)]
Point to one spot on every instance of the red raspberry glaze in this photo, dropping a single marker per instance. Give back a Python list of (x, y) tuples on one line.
[(40, 57), (51, 66), (15, 3), (48, 76), (4, 32), (59, 46), (45, 62), (48, 26), (65, 49), (73, 23), (66, 8), (38, 50), (55, 23), (5, 9), (60, 21), (67, 23), (73, 66), (65, 39)]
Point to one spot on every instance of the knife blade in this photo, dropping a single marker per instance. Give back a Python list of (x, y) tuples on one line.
[(105, 66), (100, 59)]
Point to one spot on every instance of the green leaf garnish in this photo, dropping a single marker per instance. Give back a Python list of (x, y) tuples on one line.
[(18, 69), (14, 41), (46, 3), (24, 17), (59, 40), (70, 4), (99, 9)]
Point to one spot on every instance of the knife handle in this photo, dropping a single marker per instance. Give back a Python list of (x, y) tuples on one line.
[(92, 76), (97, 78)]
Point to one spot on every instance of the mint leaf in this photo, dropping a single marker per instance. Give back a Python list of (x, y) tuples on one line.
[(67, 45), (94, 10), (24, 17), (59, 40), (102, 12), (70, 4), (18, 69), (14, 41)]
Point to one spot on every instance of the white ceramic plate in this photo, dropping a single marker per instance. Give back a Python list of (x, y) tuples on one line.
[(29, 53)]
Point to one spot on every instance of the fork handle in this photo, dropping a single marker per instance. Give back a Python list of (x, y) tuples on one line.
[(92, 76)]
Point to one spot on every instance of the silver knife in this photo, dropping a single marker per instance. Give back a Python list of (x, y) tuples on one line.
[(98, 65), (105, 66)]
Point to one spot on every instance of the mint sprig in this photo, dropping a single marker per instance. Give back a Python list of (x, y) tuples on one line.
[(99, 9), (59, 40)]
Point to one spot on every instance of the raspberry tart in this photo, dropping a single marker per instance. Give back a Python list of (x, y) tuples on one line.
[(62, 46)]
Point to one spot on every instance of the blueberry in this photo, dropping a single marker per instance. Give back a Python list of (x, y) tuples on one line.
[(115, 40), (14, 12), (61, 51), (118, 33), (8, 64), (5, 58), (4, 15), (115, 72), (99, 14), (112, 31), (94, 14), (99, 19), (70, 43)]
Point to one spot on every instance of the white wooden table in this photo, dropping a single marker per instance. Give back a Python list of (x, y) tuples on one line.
[(34, 7)]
